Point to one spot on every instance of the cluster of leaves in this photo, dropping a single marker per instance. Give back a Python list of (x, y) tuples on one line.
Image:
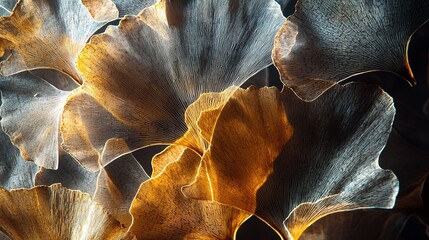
[(77, 105)]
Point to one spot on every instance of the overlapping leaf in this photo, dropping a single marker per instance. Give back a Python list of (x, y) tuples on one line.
[(327, 164), (113, 187), (117, 185), (15, 172), (31, 110), (324, 42), (161, 211), (55, 213), (142, 75), (45, 34), (103, 10)]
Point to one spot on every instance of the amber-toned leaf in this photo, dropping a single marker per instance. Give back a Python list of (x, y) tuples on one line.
[(252, 123), (113, 187), (112, 8), (142, 75), (327, 163), (31, 110), (15, 172), (324, 42), (45, 34), (55, 213), (161, 211)]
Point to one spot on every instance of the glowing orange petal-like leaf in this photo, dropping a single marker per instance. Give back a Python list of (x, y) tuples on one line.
[(143, 74), (249, 134), (161, 211), (55, 213), (328, 162), (46, 34), (324, 42)]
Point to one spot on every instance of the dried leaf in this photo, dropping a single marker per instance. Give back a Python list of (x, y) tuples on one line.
[(15, 172), (324, 42), (359, 224), (155, 65), (70, 174), (117, 185), (161, 211), (27, 97), (45, 34), (112, 8), (55, 213), (327, 164)]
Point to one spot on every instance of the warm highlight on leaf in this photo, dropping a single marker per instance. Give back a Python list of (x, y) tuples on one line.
[(324, 42), (245, 139), (45, 34), (328, 163), (55, 213), (161, 211), (141, 76)]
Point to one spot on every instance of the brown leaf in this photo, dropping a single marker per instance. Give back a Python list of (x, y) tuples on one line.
[(141, 76), (55, 213), (161, 211)]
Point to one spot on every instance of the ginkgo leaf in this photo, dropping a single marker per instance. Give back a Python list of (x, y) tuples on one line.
[(6, 7), (99, 9), (46, 34), (358, 224), (327, 161), (161, 211), (324, 42), (117, 186), (31, 110), (55, 213), (70, 174), (142, 75), (15, 172)]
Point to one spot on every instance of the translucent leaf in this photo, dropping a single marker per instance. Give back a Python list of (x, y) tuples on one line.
[(161, 211), (45, 34), (31, 110), (324, 42), (326, 162), (55, 213), (117, 186), (70, 174), (359, 224), (15, 172), (142, 75), (111, 7)]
